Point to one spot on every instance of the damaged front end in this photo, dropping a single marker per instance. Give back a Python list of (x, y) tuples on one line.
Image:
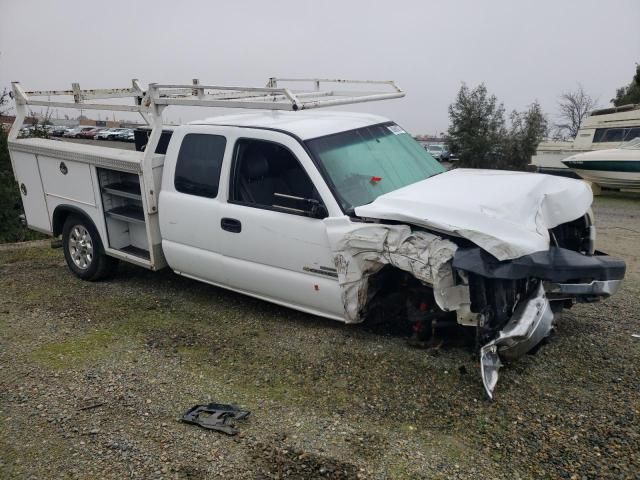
[(521, 297), (530, 323), (434, 280)]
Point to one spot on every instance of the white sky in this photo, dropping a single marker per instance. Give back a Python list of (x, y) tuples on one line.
[(522, 50)]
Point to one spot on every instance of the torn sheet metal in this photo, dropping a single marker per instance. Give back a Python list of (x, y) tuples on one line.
[(531, 322), (361, 250), (506, 213)]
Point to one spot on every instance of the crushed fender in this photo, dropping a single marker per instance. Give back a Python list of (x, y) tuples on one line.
[(362, 251)]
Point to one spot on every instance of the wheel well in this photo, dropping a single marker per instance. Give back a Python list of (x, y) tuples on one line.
[(393, 300), (62, 212), (574, 235)]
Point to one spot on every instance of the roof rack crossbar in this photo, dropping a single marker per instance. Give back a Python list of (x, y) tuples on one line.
[(85, 106), (87, 94), (33, 97), (271, 97)]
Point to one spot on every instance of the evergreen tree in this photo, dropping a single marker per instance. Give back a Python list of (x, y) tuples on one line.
[(629, 93), (480, 137)]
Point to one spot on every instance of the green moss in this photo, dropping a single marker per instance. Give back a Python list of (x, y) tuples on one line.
[(124, 333), (80, 350)]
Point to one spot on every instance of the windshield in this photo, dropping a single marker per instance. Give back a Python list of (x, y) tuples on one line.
[(635, 144), (365, 163), (435, 148)]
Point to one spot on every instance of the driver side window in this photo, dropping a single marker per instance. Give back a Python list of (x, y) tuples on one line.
[(267, 175)]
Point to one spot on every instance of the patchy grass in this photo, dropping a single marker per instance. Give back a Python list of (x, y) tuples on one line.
[(79, 351), (29, 254), (149, 345)]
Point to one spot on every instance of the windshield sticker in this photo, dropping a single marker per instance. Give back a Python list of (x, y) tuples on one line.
[(395, 129)]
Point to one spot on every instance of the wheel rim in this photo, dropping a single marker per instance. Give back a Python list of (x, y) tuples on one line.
[(81, 247)]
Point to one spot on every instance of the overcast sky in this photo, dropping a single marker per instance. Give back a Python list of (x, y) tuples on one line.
[(523, 51)]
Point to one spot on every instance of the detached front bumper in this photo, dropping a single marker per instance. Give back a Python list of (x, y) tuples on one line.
[(563, 275), (592, 291)]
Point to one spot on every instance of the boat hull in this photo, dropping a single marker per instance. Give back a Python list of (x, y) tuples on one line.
[(610, 174)]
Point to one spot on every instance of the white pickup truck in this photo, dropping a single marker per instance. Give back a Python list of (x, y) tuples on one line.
[(341, 215)]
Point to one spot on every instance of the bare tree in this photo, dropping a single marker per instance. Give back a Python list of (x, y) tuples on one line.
[(573, 108)]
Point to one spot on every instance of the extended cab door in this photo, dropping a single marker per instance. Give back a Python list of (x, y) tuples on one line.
[(190, 206), (273, 247)]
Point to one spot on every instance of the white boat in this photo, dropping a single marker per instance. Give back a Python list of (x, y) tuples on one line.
[(603, 129), (613, 168)]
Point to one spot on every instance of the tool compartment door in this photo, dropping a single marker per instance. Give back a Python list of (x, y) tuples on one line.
[(33, 199), (67, 180)]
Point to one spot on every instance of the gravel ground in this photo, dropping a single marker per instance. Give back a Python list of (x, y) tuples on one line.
[(94, 378)]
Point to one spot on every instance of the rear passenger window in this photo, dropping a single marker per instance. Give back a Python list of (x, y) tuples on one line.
[(199, 163)]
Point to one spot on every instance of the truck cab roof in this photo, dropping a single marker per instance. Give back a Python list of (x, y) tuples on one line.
[(303, 124)]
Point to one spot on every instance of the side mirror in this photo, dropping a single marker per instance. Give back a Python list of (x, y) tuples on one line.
[(319, 211)]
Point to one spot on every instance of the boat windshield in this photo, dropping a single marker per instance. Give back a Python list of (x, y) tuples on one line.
[(634, 144), (364, 163)]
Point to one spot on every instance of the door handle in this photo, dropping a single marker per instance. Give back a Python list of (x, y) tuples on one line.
[(231, 225)]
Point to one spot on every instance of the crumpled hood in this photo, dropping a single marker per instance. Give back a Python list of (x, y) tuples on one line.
[(506, 213)]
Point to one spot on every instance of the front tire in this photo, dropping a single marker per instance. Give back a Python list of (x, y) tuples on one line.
[(83, 250)]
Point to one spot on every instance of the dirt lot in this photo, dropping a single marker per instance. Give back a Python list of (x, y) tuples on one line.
[(94, 377)]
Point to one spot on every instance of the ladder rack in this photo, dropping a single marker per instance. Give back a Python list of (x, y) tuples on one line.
[(270, 97), (151, 102)]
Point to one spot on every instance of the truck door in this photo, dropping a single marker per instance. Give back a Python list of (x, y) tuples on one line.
[(189, 205), (274, 247)]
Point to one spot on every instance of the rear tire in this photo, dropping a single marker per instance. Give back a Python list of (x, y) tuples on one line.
[(83, 250)]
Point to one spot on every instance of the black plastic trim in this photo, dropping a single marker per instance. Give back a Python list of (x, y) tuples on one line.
[(231, 225), (58, 217), (555, 265)]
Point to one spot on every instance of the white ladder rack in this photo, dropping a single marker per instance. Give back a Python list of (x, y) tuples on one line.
[(271, 97), (151, 102)]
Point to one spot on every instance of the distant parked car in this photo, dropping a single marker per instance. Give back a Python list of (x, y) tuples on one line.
[(90, 133), (26, 131), (129, 136), (106, 134), (113, 133), (76, 132), (58, 131), (124, 134), (72, 132), (438, 151), (98, 132)]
